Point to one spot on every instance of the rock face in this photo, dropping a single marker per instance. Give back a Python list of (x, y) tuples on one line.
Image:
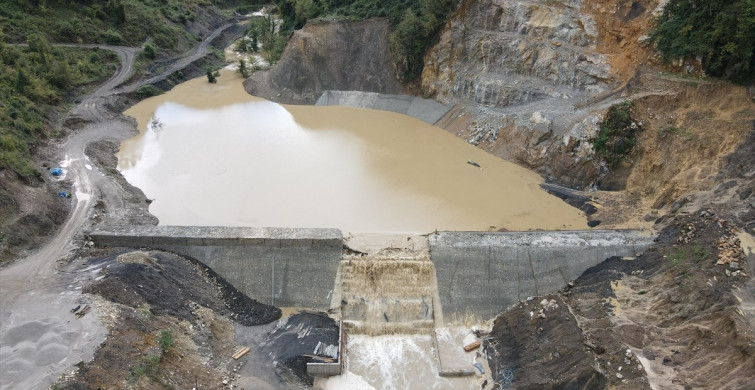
[(499, 53), (534, 76), (343, 55)]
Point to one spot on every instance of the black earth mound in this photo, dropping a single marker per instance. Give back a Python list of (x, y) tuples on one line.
[(174, 285)]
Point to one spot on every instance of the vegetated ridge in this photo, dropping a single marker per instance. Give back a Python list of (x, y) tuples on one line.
[(44, 69)]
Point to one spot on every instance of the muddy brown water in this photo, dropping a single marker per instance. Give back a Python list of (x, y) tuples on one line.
[(210, 154)]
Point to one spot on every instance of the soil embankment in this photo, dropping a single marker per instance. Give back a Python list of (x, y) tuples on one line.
[(343, 55), (669, 318), (170, 322)]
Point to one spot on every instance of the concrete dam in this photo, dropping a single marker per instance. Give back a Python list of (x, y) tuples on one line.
[(476, 273)]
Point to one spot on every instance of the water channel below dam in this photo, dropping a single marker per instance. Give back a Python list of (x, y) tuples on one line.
[(210, 154)]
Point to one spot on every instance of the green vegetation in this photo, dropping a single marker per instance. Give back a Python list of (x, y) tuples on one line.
[(149, 51), (149, 90), (117, 22), (211, 77), (675, 131), (415, 23), (150, 365), (617, 135), (266, 31), (166, 340), (250, 8), (677, 257), (243, 69), (33, 81), (699, 253), (38, 80), (720, 32)]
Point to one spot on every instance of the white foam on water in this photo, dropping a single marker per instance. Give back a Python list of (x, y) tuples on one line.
[(395, 362), (346, 381)]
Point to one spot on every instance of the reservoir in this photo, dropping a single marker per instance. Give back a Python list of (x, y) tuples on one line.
[(210, 154)]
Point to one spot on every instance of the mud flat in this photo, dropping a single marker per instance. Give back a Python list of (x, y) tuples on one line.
[(210, 154)]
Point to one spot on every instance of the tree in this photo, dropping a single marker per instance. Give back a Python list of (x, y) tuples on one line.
[(407, 48), (243, 69), (211, 77), (22, 81), (149, 51), (60, 75), (272, 43), (720, 32), (242, 45), (255, 44), (115, 10)]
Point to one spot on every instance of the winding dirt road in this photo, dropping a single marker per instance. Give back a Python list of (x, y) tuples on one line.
[(39, 336)]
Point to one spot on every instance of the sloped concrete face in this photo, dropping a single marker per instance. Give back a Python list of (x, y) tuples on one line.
[(279, 266), (483, 273), (425, 110)]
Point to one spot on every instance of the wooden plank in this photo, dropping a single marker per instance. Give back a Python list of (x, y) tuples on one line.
[(321, 358), (83, 311), (472, 346), (241, 352)]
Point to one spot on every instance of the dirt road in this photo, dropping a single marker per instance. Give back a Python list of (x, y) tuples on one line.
[(39, 336)]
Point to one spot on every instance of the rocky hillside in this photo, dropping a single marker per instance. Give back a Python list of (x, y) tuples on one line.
[(535, 74), (345, 55), (532, 81)]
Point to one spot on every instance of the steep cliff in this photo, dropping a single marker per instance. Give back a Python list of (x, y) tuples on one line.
[(344, 55)]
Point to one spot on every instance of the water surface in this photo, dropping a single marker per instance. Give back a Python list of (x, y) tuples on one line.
[(210, 154)]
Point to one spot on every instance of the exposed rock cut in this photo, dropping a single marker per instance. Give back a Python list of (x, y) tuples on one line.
[(529, 73), (499, 53), (343, 55)]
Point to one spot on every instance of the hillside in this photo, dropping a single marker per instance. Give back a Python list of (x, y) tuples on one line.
[(44, 71)]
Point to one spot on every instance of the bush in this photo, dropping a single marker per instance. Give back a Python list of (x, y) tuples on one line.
[(149, 51), (112, 37), (166, 340), (149, 90), (617, 135), (721, 32)]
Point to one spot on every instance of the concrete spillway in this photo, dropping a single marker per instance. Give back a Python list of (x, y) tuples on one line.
[(477, 273)]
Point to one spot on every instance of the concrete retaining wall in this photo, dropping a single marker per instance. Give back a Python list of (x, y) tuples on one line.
[(426, 110), (280, 266), (483, 273)]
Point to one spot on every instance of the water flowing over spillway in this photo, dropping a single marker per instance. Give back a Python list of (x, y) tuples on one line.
[(238, 161)]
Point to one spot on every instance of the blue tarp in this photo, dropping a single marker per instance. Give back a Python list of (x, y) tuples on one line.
[(62, 194), (56, 171)]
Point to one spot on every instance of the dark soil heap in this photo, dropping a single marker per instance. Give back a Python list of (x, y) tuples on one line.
[(172, 324), (293, 344), (175, 286)]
